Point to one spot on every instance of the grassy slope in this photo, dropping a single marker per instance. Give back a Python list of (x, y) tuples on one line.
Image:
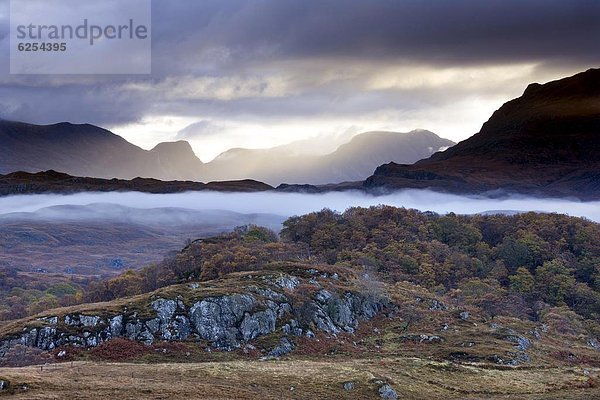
[(413, 378), (318, 367)]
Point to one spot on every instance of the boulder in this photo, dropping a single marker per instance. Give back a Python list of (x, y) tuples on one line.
[(284, 347), (387, 392), (116, 326)]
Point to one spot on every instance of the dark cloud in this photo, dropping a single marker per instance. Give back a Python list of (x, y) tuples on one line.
[(270, 58), (458, 31)]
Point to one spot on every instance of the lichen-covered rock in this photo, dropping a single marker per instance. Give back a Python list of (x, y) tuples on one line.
[(116, 326), (387, 392), (522, 343), (153, 325), (322, 320), (284, 347), (437, 305), (216, 319), (45, 338), (333, 314), (49, 320), (323, 296), (165, 309), (257, 324), (145, 337), (89, 320), (133, 329), (179, 329), (30, 338), (287, 282), (226, 321)]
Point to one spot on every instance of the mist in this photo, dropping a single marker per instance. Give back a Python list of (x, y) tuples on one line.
[(288, 204)]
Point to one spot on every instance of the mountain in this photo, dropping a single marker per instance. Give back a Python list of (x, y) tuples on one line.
[(87, 150), (177, 160), (545, 142), (57, 182), (352, 161)]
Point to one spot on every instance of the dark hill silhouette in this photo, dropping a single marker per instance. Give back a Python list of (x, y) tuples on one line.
[(545, 142), (87, 150), (57, 182)]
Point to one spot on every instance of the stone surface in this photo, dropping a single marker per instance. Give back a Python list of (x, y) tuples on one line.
[(387, 392), (226, 322), (284, 347)]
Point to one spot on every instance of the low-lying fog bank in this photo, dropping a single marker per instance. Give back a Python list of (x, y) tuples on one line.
[(287, 204)]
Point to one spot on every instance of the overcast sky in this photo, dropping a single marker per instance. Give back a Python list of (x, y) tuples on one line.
[(259, 73)]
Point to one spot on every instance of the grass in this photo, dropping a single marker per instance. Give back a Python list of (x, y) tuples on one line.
[(562, 366), (413, 378)]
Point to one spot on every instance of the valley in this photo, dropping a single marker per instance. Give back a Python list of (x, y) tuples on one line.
[(365, 259)]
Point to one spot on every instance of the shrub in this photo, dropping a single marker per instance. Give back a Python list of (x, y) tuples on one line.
[(119, 349)]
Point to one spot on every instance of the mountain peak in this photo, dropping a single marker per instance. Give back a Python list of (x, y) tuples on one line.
[(177, 157), (532, 88), (545, 141), (180, 147), (585, 83)]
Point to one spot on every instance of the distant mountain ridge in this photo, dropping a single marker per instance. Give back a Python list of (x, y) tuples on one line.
[(546, 142), (87, 150), (353, 161), (90, 151)]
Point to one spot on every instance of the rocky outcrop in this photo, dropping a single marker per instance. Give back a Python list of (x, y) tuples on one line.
[(224, 322), (332, 313)]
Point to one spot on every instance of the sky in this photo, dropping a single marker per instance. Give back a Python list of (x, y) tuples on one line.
[(262, 73)]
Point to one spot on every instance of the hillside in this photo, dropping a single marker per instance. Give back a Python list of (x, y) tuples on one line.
[(402, 301), (96, 241), (353, 161), (87, 150), (57, 182), (544, 142), (104, 239)]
